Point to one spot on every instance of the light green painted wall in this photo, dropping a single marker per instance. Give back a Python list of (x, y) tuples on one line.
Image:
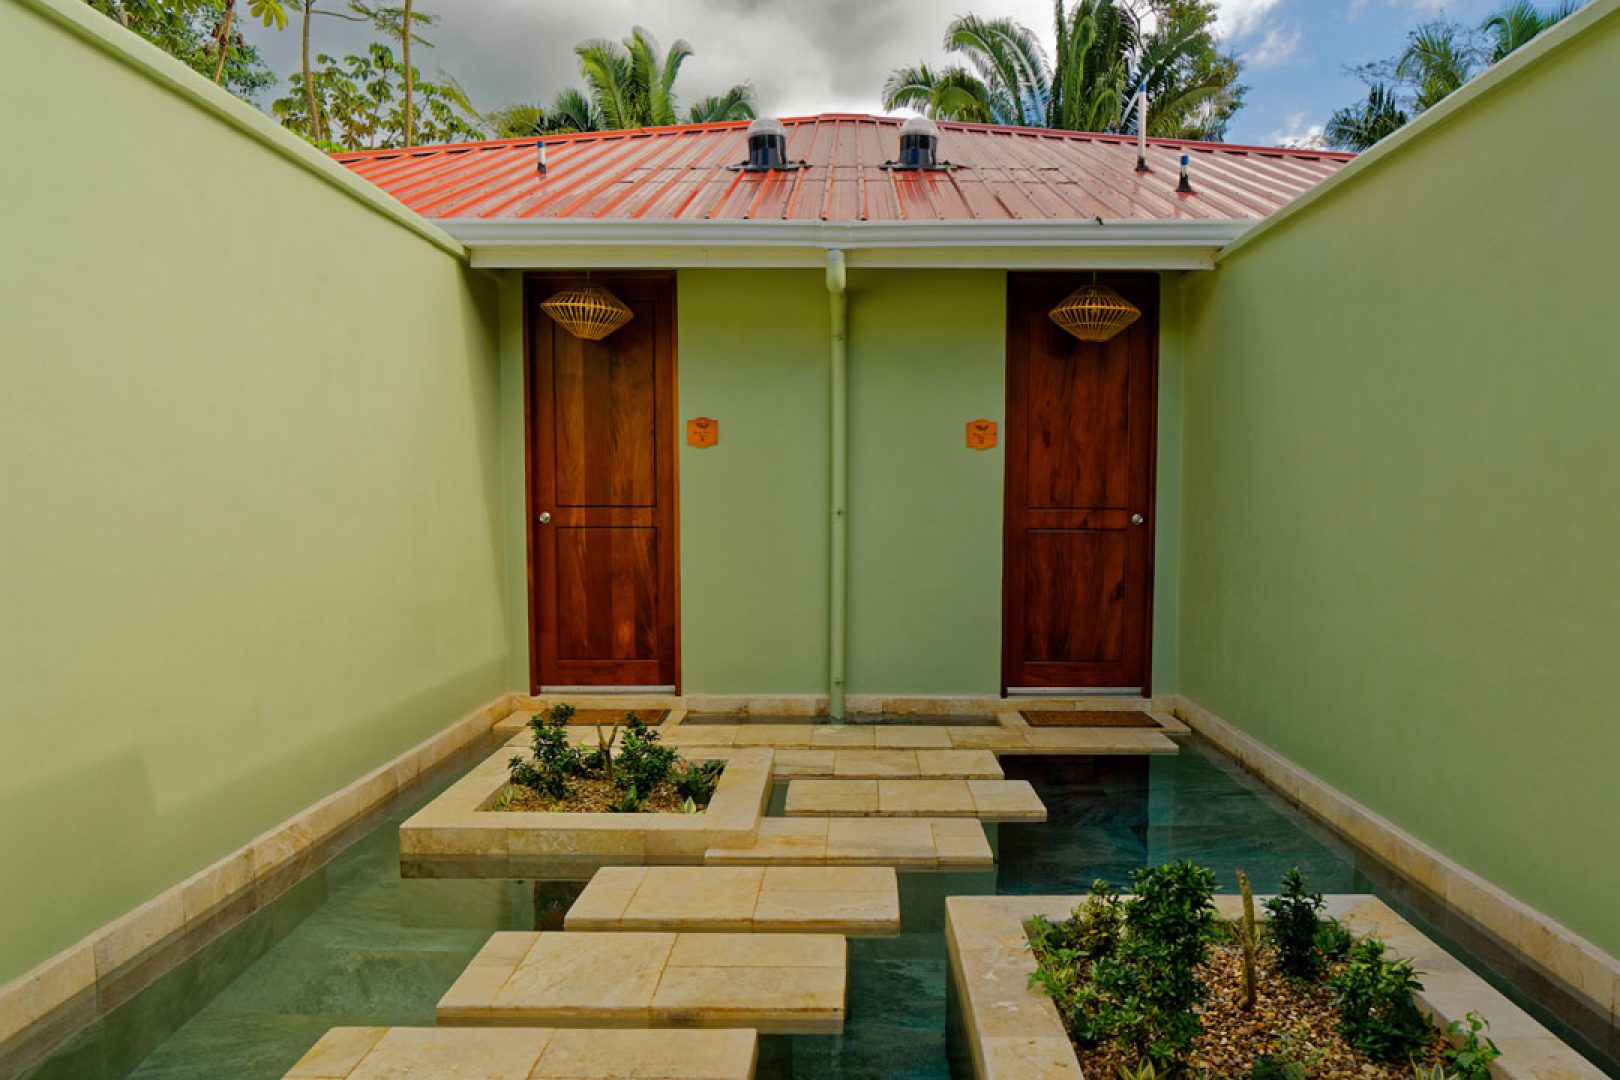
[(250, 488), (753, 509), (1400, 521), (927, 354)]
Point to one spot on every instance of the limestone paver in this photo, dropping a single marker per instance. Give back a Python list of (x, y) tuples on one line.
[(791, 763), (924, 798), (777, 983), (1006, 800), (904, 843), (874, 764), (782, 841), (966, 764), (909, 737), (832, 798), (528, 1054), (860, 737), (697, 897), (853, 901), (663, 1055)]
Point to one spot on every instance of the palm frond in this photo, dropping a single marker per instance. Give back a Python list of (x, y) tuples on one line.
[(737, 103)]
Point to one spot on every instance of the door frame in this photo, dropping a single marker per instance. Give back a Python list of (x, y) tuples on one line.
[(532, 284), (1013, 334)]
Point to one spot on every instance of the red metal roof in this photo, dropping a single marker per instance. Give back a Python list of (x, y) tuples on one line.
[(683, 174)]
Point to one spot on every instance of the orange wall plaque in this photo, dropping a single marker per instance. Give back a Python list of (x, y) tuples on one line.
[(702, 432), (981, 434)]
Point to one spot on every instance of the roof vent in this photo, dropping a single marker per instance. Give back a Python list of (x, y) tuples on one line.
[(767, 145), (919, 144)]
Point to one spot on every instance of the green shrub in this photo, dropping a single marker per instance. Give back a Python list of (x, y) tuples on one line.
[(1146, 991), (641, 763), (1333, 940), (1291, 924), (696, 782), (1472, 1051), (1374, 997), (1271, 1067), (555, 762)]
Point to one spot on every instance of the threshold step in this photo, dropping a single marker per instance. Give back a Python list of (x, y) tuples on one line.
[(856, 901), (417, 1053), (903, 843), (777, 984), (986, 800)]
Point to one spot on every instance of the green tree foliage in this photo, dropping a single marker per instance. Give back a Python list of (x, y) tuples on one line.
[(189, 30), (1107, 52), (1439, 58), (631, 84), (360, 104)]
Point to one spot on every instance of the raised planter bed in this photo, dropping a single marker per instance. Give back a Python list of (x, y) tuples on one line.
[(1013, 1032), (459, 835)]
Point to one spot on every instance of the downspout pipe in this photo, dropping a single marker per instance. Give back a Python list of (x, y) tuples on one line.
[(838, 546)]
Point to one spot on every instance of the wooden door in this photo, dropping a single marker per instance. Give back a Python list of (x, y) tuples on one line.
[(602, 520), (1077, 589)]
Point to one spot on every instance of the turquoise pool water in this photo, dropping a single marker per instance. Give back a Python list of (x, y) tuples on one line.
[(356, 944)]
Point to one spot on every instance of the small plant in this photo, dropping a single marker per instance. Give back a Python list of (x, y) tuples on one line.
[(1374, 997), (629, 802), (1432, 1072), (1293, 919), (555, 762), (642, 763), (1143, 1070), (1472, 1051), (689, 807), (1289, 1061), (696, 782), (1333, 940), (1246, 942)]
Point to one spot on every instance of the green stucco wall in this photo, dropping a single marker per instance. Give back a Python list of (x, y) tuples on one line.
[(250, 489), (1400, 521), (927, 354), (752, 354)]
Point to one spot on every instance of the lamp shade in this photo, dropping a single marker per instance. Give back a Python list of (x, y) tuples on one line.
[(587, 311), (1094, 313)]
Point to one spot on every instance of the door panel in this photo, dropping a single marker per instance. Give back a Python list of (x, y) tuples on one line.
[(1077, 594), (603, 543)]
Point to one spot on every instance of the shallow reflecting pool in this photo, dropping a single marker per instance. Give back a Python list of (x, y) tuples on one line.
[(356, 944)]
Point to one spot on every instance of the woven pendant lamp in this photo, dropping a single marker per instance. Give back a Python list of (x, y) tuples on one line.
[(1094, 312), (587, 311)]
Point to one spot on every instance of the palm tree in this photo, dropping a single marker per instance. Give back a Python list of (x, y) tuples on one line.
[(1358, 127), (735, 104), (1437, 60), (632, 84), (1520, 21), (573, 111), (1104, 58)]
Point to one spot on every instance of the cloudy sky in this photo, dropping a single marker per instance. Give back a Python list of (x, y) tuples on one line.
[(805, 56)]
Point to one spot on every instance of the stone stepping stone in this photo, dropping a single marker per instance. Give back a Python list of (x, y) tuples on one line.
[(778, 984), (986, 800), (531, 1053), (886, 764), (903, 843), (856, 901)]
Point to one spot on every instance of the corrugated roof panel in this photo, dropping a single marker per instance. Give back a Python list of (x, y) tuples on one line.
[(687, 173)]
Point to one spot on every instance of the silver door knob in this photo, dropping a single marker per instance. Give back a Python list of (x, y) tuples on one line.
[(545, 517), (1137, 519)]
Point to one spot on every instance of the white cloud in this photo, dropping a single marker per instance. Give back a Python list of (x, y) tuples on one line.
[(1297, 134), (1241, 18), (1278, 46)]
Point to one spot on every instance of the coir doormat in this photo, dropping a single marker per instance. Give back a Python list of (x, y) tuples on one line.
[(1087, 718), (609, 717)]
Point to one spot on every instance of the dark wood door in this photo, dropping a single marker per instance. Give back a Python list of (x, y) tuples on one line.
[(1078, 547), (602, 520)]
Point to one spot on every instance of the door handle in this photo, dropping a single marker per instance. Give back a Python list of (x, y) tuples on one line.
[(1138, 519), (544, 518)]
